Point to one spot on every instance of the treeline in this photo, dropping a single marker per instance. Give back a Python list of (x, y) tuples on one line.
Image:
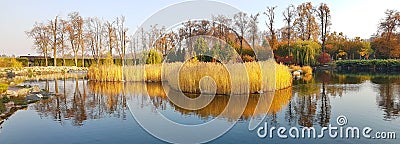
[(79, 37), (305, 39)]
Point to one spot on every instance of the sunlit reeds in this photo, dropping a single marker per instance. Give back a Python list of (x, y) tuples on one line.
[(201, 77)]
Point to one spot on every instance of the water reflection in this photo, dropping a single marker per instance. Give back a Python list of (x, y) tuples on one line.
[(82, 100), (308, 103), (386, 86)]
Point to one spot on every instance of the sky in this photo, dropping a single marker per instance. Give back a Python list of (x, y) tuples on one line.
[(352, 17)]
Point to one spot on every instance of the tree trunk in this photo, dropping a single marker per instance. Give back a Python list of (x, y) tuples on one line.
[(55, 43), (83, 55), (45, 58)]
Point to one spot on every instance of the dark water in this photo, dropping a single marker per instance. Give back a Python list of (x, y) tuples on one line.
[(92, 112)]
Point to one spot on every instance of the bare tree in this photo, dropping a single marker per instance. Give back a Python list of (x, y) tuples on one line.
[(134, 44), (81, 38), (270, 13), (95, 37), (73, 32), (62, 31), (111, 36), (42, 39), (288, 15), (54, 33), (253, 24), (222, 27), (324, 15), (122, 30), (241, 24)]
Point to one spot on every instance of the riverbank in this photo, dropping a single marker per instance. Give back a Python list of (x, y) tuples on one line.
[(379, 65), (14, 95), (11, 72)]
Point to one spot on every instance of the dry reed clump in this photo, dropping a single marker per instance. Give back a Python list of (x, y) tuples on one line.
[(105, 73), (231, 78), (134, 73), (200, 77)]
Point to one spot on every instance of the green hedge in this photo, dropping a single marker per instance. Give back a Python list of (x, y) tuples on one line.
[(378, 63), (71, 62), (24, 61)]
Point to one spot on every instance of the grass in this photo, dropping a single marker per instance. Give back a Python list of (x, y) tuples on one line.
[(198, 77)]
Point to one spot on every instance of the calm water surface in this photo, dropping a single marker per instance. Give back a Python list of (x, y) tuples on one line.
[(93, 112)]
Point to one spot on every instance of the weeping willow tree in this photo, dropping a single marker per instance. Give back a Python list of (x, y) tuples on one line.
[(306, 52)]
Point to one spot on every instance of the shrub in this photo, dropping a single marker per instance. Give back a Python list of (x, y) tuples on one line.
[(3, 88), (154, 57), (324, 58), (307, 70), (10, 62), (295, 67)]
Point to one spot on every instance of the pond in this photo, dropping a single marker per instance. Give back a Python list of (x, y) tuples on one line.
[(94, 112)]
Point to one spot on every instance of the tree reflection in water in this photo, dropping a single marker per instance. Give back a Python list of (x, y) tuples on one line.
[(389, 95), (306, 104)]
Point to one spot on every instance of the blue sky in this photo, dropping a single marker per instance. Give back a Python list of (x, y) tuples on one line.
[(354, 18)]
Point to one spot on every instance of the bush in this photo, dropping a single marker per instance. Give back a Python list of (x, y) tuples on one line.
[(3, 88), (324, 58), (23, 61), (154, 57), (10, 62), (307, 70)]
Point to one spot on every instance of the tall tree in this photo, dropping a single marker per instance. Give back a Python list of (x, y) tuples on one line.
[(54, 33), (81, 37), (122, 30), (241, 24), (96, 37), (253, 24), (386, 45), (62, 32), (324, 15), (73, 29), (40, 33), (110, 35), (288, 15), (270, 13), (305, 22), (388, 25)]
